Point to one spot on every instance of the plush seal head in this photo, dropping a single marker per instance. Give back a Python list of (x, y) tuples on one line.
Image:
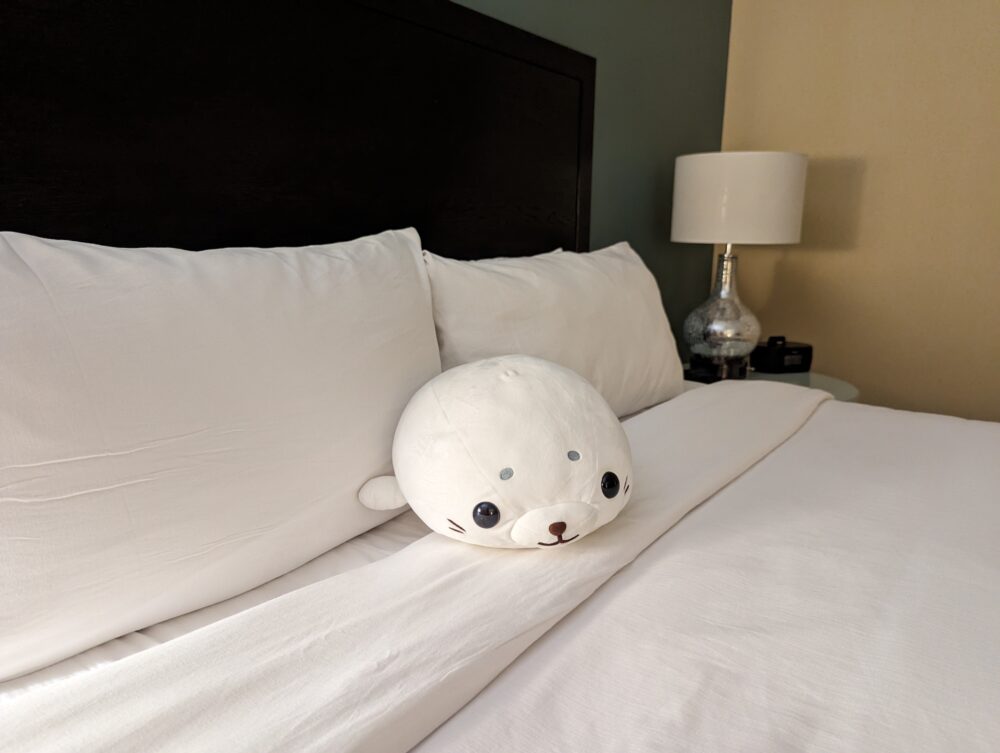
[(512, 451)]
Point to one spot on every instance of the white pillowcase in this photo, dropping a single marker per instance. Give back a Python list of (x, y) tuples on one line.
[(597, 313), (180, 427)]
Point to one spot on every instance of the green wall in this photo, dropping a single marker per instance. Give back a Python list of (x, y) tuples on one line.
[(661, 77)]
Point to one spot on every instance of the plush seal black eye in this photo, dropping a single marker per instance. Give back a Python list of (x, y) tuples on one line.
[(610, 485), (486, 514)]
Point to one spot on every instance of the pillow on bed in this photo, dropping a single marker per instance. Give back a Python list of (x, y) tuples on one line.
[(180, 427), (597, 313)]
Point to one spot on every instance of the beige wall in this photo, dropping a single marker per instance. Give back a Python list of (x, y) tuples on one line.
[(897, 102)]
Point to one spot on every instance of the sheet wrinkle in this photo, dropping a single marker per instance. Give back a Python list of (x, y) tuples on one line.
[(119, 453), (210, 546), (81, 493)]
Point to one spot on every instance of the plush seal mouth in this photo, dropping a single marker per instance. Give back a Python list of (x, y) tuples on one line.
[(560, 540)]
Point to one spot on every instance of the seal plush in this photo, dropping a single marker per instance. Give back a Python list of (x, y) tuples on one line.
[(511, 451)]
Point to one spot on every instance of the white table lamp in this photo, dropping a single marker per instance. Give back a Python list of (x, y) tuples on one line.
[(734, 198)]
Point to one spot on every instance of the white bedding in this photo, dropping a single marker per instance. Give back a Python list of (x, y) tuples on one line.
[(369, 547), (376, 658), (841, 594), (167, 441)]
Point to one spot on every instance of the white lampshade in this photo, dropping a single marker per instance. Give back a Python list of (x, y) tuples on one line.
[(739, 197)]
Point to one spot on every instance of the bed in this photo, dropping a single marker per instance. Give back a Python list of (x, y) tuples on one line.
[(792, 573)]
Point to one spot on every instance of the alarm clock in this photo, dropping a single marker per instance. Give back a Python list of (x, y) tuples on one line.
[(779, 356)]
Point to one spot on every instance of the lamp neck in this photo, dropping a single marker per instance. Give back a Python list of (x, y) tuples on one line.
[(725, 275)]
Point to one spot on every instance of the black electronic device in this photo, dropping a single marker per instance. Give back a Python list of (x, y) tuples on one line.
[(707, 370), (779, 356)]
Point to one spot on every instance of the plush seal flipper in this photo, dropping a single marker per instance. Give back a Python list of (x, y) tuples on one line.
[(382, 493)]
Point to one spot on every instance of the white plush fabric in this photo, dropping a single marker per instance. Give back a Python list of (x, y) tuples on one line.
[(376, 658), (179, 427), (530, 441), (597, 313)]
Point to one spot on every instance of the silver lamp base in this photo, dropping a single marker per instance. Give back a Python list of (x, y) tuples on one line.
[(723, 330)]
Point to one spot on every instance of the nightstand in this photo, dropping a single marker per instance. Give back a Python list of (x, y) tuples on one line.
[(840, 389)]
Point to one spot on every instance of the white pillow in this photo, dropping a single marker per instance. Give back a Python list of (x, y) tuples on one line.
[(180, 427), (597, 313)]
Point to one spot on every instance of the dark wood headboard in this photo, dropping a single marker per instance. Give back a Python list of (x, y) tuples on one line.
[(203, 124)]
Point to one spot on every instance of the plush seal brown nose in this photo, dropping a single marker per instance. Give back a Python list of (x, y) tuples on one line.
[(557, 529)]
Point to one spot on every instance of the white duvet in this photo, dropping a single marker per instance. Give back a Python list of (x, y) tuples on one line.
[(841, 594)]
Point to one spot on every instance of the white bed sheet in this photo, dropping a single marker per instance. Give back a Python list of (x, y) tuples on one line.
[(364, 549), (842, 595)]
